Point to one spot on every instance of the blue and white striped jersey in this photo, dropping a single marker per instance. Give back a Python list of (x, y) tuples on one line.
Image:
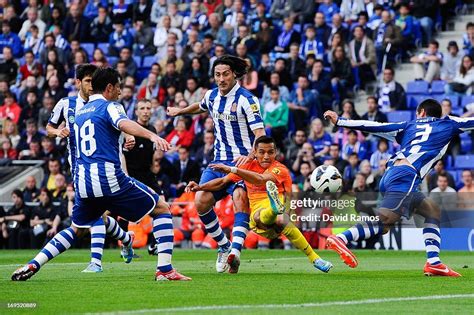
[(65, 110), (235, 115), (423, 141), (98, 148)]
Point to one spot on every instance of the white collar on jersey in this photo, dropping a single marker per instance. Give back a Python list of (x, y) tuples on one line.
[(96, 97), (81, 98), (233, 91)]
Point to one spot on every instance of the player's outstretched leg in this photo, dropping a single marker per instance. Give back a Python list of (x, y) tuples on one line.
[(240, 229), (164, 235), (114, 230), (58, 244), (97, 247), (360, 231), (204, 202)]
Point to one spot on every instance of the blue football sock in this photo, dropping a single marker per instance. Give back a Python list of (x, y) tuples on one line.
[(97, 241), (213, 228), (58, 244), (239, 232)]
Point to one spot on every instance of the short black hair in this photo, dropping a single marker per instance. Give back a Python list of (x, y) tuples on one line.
[(264, 139), (447, 100), (103, 77), (84, 70), (434, 42), (238, 65), (274, 88), (18, 193), (390, 69), (431, 107)]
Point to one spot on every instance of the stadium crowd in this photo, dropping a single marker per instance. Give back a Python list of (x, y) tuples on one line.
[(304, 56)]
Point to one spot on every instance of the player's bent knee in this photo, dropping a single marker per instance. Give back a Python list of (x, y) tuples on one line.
[(204, 201), (256, 217)]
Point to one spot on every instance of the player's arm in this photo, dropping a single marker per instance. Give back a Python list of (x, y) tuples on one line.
[(385, 130), (54, 128), (463, 124), (248, 176), (192, 109), (213, 185)]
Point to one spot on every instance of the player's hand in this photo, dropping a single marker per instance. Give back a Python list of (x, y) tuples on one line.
[(129, 142), (220, 168), (192, 187), (51, 232), (172, 111), (331, 116), (241, 160), (63, 133), (161, 143)]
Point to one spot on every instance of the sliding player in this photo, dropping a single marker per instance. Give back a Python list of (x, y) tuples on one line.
[(267, 181), (423, 142), (101, 183), (64, 111), (237, 123)]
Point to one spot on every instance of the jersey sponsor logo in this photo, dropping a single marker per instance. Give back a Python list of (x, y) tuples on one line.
[(254, 108), (225, 117), (276, 171), (86, 110)]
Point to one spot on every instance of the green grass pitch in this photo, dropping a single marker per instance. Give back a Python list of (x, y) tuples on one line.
[(269, 282)]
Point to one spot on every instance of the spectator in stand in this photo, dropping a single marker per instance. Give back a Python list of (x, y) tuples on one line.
[(350, 10), (294, 146), (351, 170), (197, 71), (302, 11), (186, 170), (353, 145), (158, 10), (280, 9), (55, 19), (363, 21), (468, 39), (336, 41), (12, 40), (439, 169), (425, 11), (328, 8), (465, 200), (205, 153), (10, 16), (341, 74), (30, 109), (49, 180), (31, 67), (338, 28), (175, 15), (33, 42), (30, 134), (217, 31), (191, 228), (130, 64), (171, 53), (266, 36), (143, 39), (6, 150), (275, 116), (373, 113), (390, 94), (128, 100), (92, 9), (8, 66), (118, 40), (463, 82), (321, 82), (76, 26), (302, 100), (15, 222), (193, 92), (32, 153), (305, 154), (30, 192), (180, 136), (363, 57), (140, 10), (54, 89), (295, 65), (99, 59), (427, 65), (443, 194), (335, 155), (45, 112), (250, 80), (101, 26), (275, 82), (287, 37), (451, 62), (153, 89), (10, 131), (302, 181), (381, 154), (10, 109), (48, 149), (33, 19), (386, 33), (171, 77), (319, 138), (161, 33), (322, 29), (310, 45), (50, 45), (405, 22), (44, 220)]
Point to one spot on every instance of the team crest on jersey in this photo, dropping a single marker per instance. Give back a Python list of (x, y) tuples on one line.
[(276, 171), (71, 119), (254, 108), (233, 108)]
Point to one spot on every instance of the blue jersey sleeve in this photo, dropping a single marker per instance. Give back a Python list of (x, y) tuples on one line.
[(463, 124), (385, 130), (251, 107), (115, 114)]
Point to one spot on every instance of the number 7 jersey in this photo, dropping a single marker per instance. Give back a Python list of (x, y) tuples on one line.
[(423, 141), (98, 146)]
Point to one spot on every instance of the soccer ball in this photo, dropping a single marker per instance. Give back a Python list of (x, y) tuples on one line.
[(326, 178)]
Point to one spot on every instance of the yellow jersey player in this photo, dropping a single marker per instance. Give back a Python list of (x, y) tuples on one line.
[(267, 182)]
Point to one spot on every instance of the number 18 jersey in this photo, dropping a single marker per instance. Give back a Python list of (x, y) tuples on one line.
[(98, 147)]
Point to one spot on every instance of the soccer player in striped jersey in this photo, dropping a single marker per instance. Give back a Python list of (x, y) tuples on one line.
[(267, 182), (100, 182), (423, 142), (237, 123), (64, 112)]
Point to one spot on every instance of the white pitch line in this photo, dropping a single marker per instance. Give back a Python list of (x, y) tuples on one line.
[(302, 305)]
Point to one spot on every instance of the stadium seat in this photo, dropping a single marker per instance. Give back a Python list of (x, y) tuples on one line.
[(142, 74), (89, 48), (466, 143), (417, 33), (448, 162), (464, 161), (104, 47), (148, 61), (418, 87), (138, 60), (414, 100), (453, 98), (457, 111), (437, 87), (465, 100), (402, 115), (112, 60)]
